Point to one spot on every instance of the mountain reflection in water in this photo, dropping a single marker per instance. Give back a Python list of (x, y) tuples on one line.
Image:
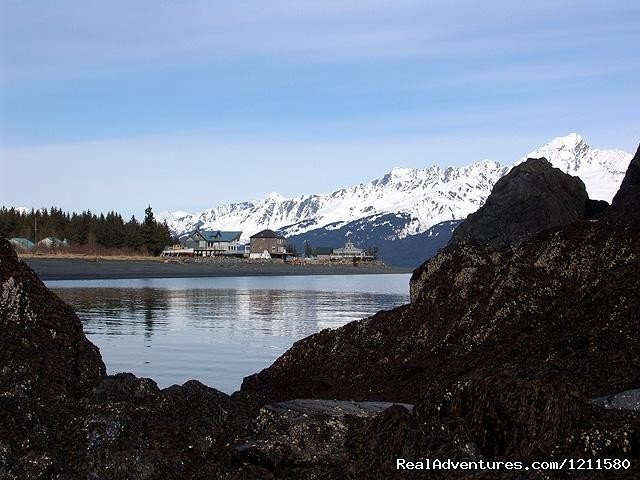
[(218, 331)]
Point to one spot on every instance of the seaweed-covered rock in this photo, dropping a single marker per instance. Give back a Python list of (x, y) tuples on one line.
[(306, 438), (491, 418), (43, 350), (564, 304), (130, 429), (62, 417)]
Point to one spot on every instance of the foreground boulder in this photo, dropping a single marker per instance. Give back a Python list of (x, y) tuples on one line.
[(563, 305), (43, 350), (297, 434), (62, 417)]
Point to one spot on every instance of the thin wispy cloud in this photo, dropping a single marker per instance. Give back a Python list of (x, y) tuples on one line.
[(369, 84), (122, 34)]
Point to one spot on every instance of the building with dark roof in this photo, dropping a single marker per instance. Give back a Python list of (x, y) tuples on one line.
[(268, 241), (267, 234), (207, 243)]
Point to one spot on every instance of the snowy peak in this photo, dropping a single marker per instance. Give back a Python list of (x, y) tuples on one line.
[(600, 170), (274, 197), (422, 198), (566, 153), (402, 172)]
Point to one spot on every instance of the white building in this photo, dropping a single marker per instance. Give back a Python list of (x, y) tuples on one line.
[(349, 251)]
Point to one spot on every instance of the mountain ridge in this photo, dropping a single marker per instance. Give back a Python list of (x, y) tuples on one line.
[(425, 197)]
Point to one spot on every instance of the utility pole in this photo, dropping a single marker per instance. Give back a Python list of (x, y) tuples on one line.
[(35, 228)]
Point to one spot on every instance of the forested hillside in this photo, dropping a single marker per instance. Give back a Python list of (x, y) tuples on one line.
[(87, 229)]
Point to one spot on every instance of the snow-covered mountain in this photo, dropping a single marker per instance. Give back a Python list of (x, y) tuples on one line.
[(601, 171), (429, 196), (418, 199)]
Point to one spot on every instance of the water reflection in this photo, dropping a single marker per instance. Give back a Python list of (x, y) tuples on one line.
[(216, 334)]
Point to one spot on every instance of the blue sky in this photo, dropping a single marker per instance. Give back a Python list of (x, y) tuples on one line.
[(189, 104)]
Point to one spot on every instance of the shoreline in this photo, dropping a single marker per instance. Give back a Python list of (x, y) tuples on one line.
[(78, 269)]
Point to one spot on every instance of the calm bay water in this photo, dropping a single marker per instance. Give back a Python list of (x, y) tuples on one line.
[(218, 330)]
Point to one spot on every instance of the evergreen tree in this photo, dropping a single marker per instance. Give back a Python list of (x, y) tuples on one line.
[(308, 250), (155, 236), (148, 231), (164, 235), (133, 234)]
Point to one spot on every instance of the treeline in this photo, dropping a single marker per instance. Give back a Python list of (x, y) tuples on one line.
[(110, 231)]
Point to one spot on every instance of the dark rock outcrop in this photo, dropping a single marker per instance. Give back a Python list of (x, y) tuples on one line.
[(625, 206), (532, 197), (43, 350), (295, 434), (62, 417), (565, 303)]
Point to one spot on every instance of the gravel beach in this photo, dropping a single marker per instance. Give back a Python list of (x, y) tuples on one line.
[(79, 269)]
